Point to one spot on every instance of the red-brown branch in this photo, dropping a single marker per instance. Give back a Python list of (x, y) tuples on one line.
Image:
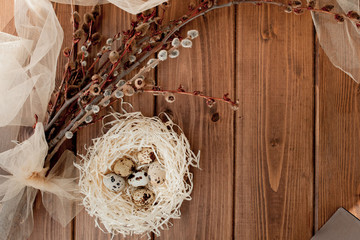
[(194, 93)]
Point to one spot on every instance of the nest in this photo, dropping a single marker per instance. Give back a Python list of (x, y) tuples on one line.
[(116, 212)]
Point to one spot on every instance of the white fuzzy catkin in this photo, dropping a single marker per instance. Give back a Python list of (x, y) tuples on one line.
[(129, 133)]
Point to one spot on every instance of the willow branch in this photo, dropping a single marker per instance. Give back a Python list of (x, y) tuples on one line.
[(200, 11), (195, 94), (81, 115)]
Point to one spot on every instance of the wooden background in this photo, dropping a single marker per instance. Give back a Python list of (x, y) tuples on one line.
[(281, 165)]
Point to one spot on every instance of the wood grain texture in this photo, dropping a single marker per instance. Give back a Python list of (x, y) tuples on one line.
[(7, 23), (47, 228), (257, 172), (209, 67), (63, 12), (44, 226), (337, 160), (113, 20), (274, 126)]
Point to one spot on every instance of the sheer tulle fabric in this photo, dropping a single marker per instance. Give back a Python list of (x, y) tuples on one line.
[(340, 41), (27, 79), (24, 175), (131, 6), (28, 63)]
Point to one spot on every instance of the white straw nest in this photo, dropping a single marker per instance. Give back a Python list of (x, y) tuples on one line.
[(129, 133)]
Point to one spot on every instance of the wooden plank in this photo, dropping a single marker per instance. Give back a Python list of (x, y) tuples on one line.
[(63, 12), (209, 67), (337, 162), (47, 228), (44, 226), (274, 126), (7, 23), (112, 20)]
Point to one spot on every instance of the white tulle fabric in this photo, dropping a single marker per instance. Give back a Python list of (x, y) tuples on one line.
[(27, 79), (341, 42), (131, 6), (24, 175), (28, 63)]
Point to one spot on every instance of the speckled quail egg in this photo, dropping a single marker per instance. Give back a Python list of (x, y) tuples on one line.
[(157, 174), (124, 167), (143, 197), (146, 155), (138, 179), (114, 182)]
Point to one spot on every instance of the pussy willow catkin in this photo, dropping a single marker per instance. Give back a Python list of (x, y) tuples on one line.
[(115, 212)]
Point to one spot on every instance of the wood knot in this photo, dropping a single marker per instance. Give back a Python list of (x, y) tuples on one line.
[(358, 90), (274, 142), (215, 117), (268, 33)]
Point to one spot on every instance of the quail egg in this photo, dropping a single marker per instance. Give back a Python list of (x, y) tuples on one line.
[(138, 179), (143, 197), (157, 174), (146, 155), (114, 182), (124, 167)]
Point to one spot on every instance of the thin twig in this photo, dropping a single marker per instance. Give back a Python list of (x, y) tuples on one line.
[(66, 70), (61, 134), (195, 94), (200, 11)]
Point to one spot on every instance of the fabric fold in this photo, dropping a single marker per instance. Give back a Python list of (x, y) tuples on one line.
[(25, 176), (27, 79), (130, 6), (339, 40)]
